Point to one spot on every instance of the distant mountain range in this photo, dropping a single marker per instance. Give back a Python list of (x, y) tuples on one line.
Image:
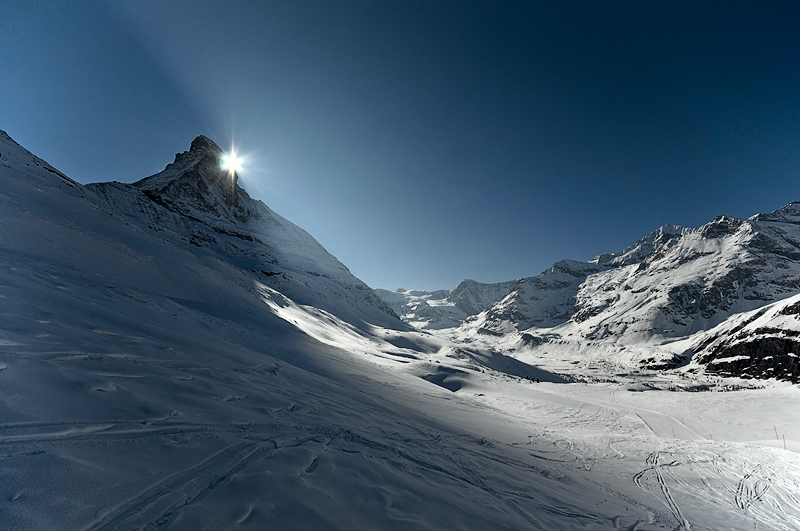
[(444, 308), (671, 285)]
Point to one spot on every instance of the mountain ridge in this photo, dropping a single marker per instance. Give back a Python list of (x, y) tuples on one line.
[(671, 284), (187, 205)]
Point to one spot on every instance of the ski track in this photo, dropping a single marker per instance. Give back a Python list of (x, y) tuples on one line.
[(727, 476), (751, 489), (670, 420), (157, 505), (656, 468), (93, 431), (699, 469)]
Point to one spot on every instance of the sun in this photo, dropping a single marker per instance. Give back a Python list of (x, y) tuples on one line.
[(231, 162)]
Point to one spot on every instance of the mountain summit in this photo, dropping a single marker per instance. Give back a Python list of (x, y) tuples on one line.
[(196, 183), (195, 201)]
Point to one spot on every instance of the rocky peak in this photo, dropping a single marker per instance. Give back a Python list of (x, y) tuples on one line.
[(721, 226), (787, 214), (195, 184), (639, 251), (203, 143), (473, 297)]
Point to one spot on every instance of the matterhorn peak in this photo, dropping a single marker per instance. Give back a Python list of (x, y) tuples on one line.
[(197, 184), (203, 143)]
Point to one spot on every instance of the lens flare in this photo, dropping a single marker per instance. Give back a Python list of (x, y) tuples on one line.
[(231, 162)]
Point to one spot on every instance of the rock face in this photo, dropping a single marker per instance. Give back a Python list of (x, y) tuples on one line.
[(197, 183), (761, 344), (196, 201)]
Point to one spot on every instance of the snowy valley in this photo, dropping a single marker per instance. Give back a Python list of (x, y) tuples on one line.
[(647, 307), (176, 355)]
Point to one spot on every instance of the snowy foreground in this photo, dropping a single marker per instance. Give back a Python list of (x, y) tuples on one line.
[(148, 383)]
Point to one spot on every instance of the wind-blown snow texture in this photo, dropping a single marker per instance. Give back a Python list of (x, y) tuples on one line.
[(175, 355)]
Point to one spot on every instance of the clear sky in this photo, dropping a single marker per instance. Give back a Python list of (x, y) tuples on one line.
[(424, 142)]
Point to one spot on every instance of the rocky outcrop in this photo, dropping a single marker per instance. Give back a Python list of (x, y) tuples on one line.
[(761, 344)]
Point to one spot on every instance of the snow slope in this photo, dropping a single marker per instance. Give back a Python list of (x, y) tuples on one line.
[(153, 376)]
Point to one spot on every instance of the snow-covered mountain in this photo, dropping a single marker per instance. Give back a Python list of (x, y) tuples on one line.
[(175, 355), (423, 309), (443, 308), (673, 283), (196, 202), (544, 301)]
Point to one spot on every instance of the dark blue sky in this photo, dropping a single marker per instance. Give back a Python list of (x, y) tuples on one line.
[(424, 142)]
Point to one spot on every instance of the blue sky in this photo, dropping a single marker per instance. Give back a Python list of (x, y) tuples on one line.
[(424, 142)]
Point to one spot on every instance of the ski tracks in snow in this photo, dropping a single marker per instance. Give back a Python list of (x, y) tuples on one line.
[(657, 469), (57, 432), (769, 498), (751, 488), (723, 475), (159, 503)]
